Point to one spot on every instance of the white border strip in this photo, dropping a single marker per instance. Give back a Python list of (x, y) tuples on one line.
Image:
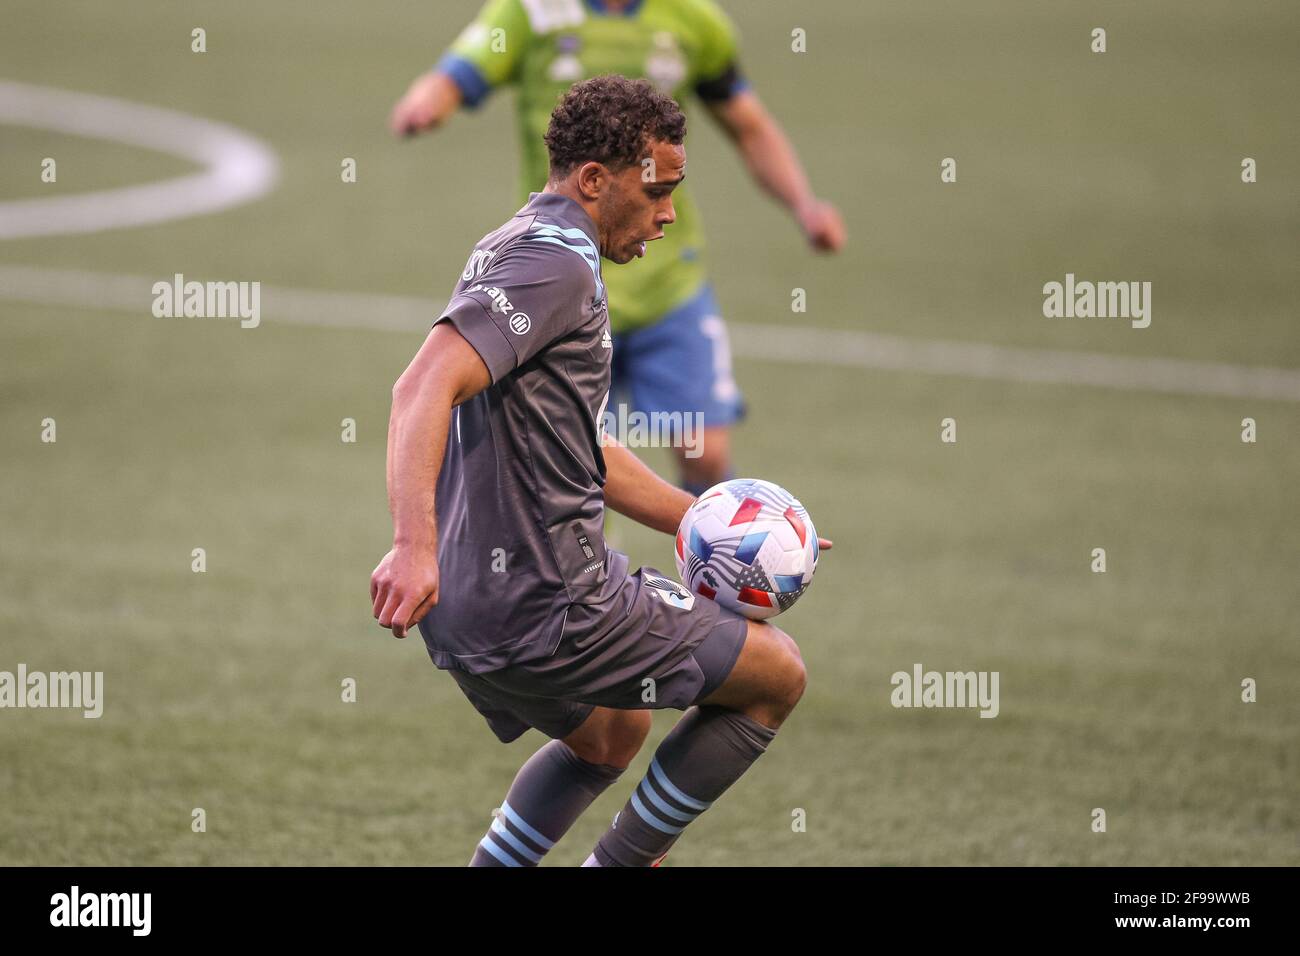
[(1015, 364), (768, 343)]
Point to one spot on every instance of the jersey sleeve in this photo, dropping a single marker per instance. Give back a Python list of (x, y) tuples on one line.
[(716, 68), (531, 295), (488, 52)]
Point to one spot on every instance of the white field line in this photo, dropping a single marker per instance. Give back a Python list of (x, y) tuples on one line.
[(236, 167), (770, 343)]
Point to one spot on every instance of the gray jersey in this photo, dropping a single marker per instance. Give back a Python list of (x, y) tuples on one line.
[(519, 500)]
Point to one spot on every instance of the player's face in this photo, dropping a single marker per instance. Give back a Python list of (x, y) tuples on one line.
[(640, 205)]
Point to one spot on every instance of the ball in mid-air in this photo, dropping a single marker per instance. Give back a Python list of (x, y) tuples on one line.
[(749, 545)]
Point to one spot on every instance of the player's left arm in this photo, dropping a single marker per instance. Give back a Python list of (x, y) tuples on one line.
[(632, 489), (772, 161)]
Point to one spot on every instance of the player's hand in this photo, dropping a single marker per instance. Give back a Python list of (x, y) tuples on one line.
[(423, 106), (404, 587), (822, 225), (824, 544)]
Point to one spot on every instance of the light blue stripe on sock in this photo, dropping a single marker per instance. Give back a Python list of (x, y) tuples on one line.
[(664, 806), (487, 844), (660, 778), (650, 818), (527, 831), (514, 841)]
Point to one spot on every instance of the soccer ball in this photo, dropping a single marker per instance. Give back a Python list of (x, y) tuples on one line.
[(749, 545)]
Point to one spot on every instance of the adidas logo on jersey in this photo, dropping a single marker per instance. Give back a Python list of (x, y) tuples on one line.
[(606, 341)]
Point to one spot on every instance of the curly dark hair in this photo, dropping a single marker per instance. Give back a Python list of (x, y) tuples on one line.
[(611, 120)]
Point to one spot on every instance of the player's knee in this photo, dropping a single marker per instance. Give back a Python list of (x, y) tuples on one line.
[(788, 642), (633, 727), (618, 741), (787, 678), (792, 683)]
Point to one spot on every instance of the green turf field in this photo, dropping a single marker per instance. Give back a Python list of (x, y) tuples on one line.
[(1119, 690)]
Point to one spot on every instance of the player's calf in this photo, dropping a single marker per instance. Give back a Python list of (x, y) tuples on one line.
[(558, 783), (549, 793)]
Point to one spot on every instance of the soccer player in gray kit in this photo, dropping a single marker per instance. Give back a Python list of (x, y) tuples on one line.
[(499, 472)]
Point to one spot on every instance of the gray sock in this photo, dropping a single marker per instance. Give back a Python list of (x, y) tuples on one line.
[(700, 758), (550, 791)]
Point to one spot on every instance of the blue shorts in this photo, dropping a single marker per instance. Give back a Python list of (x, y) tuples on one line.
[(682, 363)]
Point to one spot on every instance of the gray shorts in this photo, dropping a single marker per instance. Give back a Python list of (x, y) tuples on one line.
[(666, 649)]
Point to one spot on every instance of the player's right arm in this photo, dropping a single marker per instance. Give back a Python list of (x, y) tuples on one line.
[(445, 372), (486, 55), (760, 140)]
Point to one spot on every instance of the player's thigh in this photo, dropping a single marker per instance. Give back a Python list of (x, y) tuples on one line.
[(769, 670)]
